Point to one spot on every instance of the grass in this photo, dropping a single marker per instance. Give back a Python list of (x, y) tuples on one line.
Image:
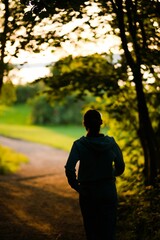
[(59, 136), (15, 123), (16, 114)]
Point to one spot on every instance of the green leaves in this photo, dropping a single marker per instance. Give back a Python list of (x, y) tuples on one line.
[(10, 160), (92, 74), (38, 7)]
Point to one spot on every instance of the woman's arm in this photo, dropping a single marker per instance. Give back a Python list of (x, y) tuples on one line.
[(70, 168), (119, 166)]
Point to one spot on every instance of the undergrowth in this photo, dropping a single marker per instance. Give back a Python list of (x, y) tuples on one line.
[(10, 160), (139, 213)]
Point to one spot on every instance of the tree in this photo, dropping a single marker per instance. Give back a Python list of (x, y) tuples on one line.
[(8, 93), (16, 33), (46, 112), (135, 58), (82, 76), (137, 25), (26, 92)]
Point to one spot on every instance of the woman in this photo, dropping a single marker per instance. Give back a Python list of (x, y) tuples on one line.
[(100, 161)]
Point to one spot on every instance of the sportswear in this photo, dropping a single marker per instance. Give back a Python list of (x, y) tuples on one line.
[(100, 159)]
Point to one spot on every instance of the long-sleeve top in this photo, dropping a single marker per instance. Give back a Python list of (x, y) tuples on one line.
[(100, 158)]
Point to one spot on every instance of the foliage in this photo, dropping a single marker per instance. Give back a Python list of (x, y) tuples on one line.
[(16, 34), (115, 95), (42, 112), (81, 75), (39, 6), (119, 112), (141, 23), (10, 160), (8, 94), (137, 25), (25, 92), (147, 219), (66, 112), (152, 93), (141, 212), (120, 104)]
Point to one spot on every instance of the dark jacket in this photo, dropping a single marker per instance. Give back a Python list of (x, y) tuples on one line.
[(99, 158)]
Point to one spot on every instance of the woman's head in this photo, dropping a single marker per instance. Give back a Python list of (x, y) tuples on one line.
[(92, 121)]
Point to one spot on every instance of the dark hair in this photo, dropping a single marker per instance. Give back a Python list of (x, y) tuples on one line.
[(92, 120)]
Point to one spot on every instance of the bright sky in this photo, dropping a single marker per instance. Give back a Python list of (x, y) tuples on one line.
[(35, 66)]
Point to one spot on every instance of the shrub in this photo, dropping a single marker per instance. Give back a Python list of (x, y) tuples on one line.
[(26, 92), (8, 94), (10, 160), (41, 111), (67, 112)]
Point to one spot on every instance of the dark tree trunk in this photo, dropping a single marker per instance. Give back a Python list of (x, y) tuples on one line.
[(146, 132), (3, 42)]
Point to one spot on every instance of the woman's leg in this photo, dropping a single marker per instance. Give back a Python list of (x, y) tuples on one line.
[(99, 218), (106, 214), (89, 217)]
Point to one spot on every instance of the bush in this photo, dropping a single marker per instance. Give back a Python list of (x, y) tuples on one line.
[(10, 160), (42, 112), (26, 92), (68, 112), (8, 94)]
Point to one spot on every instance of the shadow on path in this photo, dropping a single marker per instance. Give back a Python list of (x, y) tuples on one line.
[(30, 211), (36, 203)]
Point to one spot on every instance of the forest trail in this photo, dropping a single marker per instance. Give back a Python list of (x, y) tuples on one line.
[(36, 203)]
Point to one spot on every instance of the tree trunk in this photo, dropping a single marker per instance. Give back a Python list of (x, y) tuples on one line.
[(3, 43), (146, 134)]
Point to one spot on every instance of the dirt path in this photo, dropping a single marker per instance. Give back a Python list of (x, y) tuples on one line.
[(37, 203)]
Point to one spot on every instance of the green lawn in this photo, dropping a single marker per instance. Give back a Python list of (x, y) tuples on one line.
[(59, 136), (14, 122), (16, 114)]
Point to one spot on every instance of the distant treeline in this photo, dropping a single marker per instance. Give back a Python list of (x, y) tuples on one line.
[(44, 110)]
